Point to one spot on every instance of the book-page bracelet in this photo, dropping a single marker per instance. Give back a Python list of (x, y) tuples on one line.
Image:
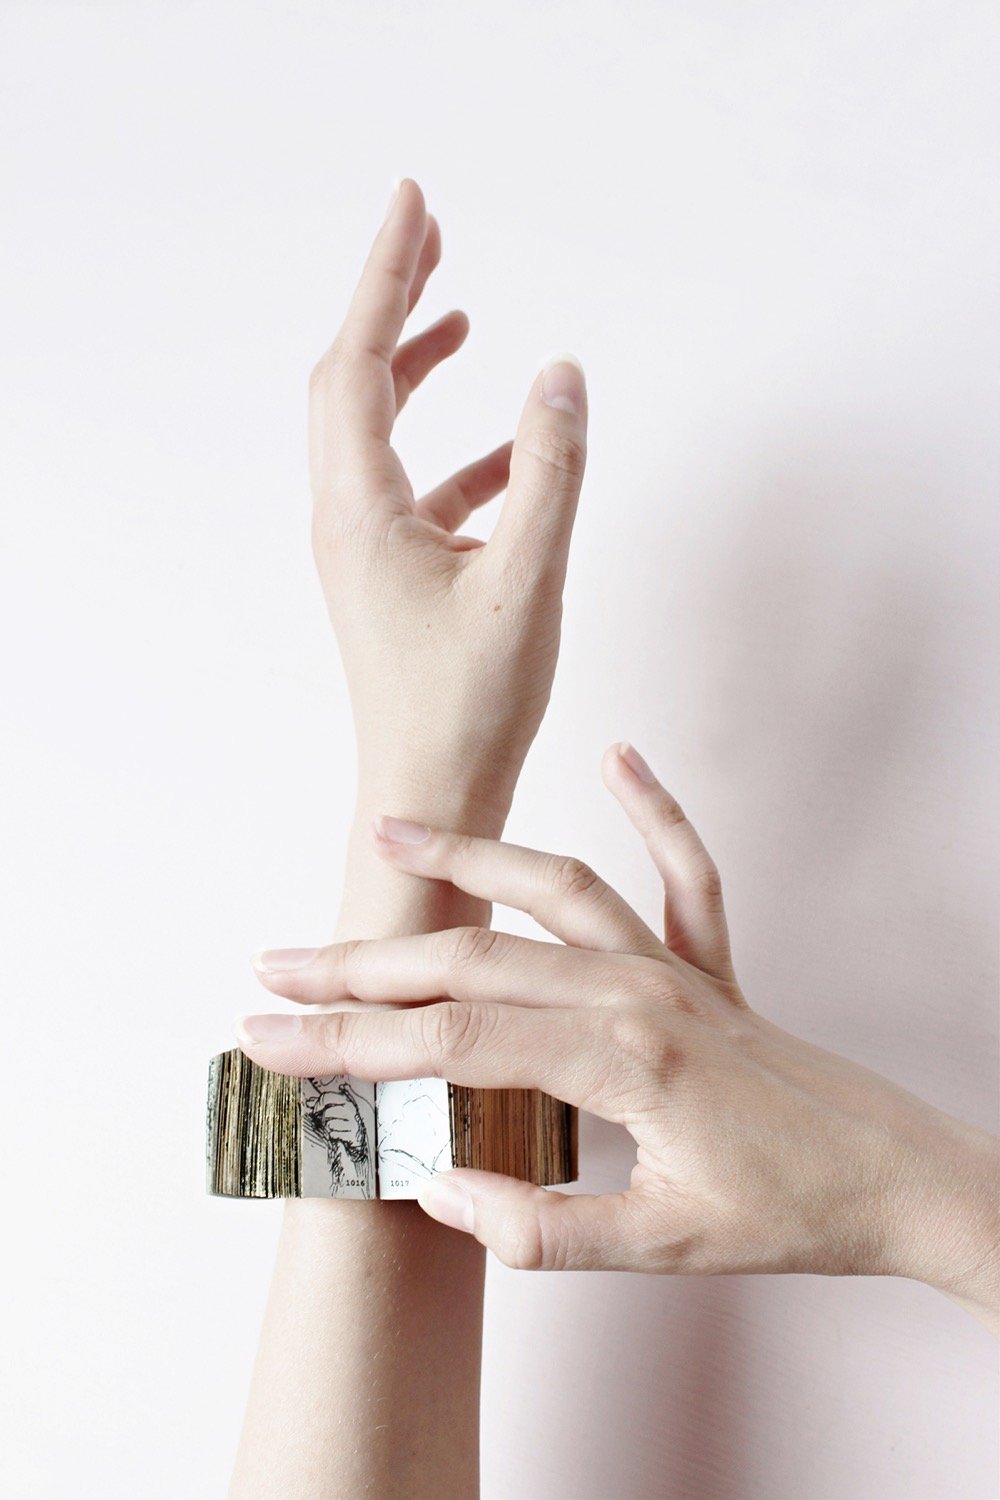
[(273, 1136)]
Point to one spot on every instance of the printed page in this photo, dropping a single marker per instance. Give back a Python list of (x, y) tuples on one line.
[(414, 1134), (338, 1138)]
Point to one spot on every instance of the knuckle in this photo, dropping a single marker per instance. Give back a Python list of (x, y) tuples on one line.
[(334, 1033), (639, 1043), (372, 347), (458, 848), (394, 272), (707, 883), (449, 1032), (468, 947), (531, 1241), (322, 373), (631, 1034), (350, 968), (656, 987), (672, 1253), (523, 1248), (569, 876), (557, 451), (671, 812)]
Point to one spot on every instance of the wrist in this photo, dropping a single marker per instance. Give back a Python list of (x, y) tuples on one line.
[(380, 901), (462, 799), (948, 1230)]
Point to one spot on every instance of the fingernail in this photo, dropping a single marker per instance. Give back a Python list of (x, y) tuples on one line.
[(400, 831), (635, 763), (274, 960), (563, 383), (268, 1028), (448, 1203)]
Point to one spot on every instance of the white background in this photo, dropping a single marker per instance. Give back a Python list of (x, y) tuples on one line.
[(768, 231)]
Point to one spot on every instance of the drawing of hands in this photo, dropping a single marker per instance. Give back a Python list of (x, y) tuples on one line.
[(332, 1118)]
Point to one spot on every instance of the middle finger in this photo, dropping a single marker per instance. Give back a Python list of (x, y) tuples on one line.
[(414, 360), (465, 963)]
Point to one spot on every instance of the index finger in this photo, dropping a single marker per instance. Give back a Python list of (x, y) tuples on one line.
[(569, 1054), (352, 393)]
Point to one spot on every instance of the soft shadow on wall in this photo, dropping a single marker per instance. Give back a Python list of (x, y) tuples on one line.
[(817, 650), (843, 706)]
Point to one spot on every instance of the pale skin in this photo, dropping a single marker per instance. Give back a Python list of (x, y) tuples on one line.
[(756, 1151), (367, 1374)]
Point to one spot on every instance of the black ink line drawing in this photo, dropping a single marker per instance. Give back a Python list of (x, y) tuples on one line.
[(415, 1136), (332, 1117)]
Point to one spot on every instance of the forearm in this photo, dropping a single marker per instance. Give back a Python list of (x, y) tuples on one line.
[(367, 1374)]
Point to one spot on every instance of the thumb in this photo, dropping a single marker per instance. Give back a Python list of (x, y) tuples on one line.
[(535, 1228), (547, 463)]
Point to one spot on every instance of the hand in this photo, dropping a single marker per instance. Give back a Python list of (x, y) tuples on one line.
[(333, 1113), (449, 645), (756, 1151)]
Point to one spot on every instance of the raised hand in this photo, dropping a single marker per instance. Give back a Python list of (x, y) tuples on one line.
[(449, 645)]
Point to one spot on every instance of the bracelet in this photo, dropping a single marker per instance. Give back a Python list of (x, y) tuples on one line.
[(270, 1135)]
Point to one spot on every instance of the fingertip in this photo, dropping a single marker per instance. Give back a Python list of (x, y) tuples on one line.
[(384, 848), (394, 832), (635, 766), (611, 757), (406, 191), (563, 383), (500, 461), (556, 357), (280, 960), (253, 1030), (258, 962), (615, 767), (410, 184), (458, 327), (445, 1199), (262, 976)]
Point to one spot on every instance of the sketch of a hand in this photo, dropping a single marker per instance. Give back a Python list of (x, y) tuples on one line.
[(338, 1117), (332, 1118)]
